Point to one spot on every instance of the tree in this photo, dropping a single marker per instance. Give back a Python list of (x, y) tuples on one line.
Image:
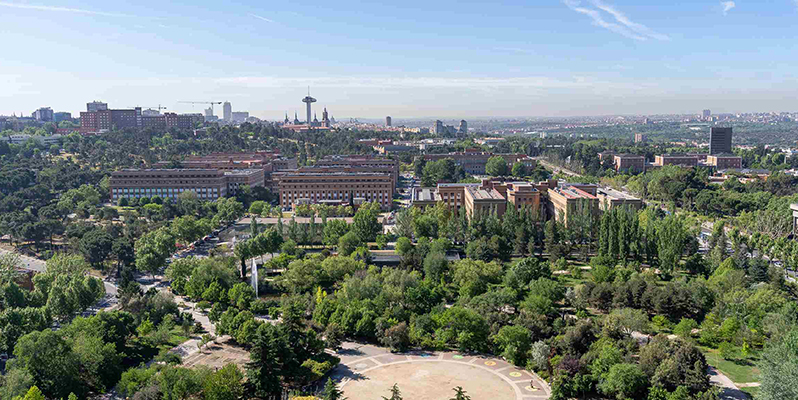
[(348, 243), (496, 166), (95, 246), (267, 359), (35, 394), (779, 364), (365, 223), (460, 394), (47, 356), (519, 170), (403, 245), (624, 381), (396, 394), (333, 231), (331, 391), (152, 250), (224, 384), (514, 341), (626, 321), (670, 243)]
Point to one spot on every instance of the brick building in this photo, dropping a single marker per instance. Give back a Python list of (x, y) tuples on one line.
[(568, 200), (611, 198), (684, 160), (318, 187), (629, 163)]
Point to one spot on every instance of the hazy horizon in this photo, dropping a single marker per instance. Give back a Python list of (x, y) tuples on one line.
[(413, 60)]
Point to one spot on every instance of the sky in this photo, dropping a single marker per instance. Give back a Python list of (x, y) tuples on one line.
[(407, 59)]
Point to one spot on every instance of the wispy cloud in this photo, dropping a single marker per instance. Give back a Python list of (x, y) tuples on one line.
[(728, 5), (261, 18), (622, 25), (61, 9)]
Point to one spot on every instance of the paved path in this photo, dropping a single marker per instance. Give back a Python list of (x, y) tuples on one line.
[(729, 390), (366, 370), (30, 263)]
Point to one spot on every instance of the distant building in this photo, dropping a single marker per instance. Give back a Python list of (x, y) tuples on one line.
[(227, 112), (724, 161), (706, 114), (720, 140), (473, 162), (794, 208), (44, 114), (684, 160), (438, 128), (463, 128), (489, 141), (629, 163), (150, 113), (388, 121), (209, 113), (240, 116), (20, 138), (95, 106), (62, 116), (486, 198), (640, 138)]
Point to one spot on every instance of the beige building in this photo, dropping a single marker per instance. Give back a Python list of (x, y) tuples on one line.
[(360, 164), (684, 160), (348, 187), (569, 199), (490, 196), (208, 184), (611, 198), (724, 161), (482, 201)]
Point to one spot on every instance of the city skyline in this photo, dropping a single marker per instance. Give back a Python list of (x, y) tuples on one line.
[(561, 58)]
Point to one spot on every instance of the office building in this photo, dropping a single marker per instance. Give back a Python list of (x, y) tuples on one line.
[(629, 163), (95, 106), (105, 119), (150, 113), (569, 201), (683, 160), (463, 128), (611, 198), (640, 138), (706, 114), (44, 114), (388, 121), (21, 138), (227, 112), (724, 161), (209, 112), (335, 188), (720, 140)]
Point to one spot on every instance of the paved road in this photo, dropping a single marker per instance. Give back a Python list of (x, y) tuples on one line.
[(33, 264)]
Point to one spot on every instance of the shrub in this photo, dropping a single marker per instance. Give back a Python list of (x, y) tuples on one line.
[(728, 351)]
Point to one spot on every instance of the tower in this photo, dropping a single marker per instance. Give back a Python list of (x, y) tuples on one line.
[(296, 119), (286, 122), (227, 109), (463, 129), (315, 120), (720, 140), (388, 121), (308, 101), (325, 118)]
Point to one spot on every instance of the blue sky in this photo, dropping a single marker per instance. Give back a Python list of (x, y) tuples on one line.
[(453, 59)]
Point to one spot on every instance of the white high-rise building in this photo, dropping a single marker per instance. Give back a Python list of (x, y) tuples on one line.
[(227, 111)]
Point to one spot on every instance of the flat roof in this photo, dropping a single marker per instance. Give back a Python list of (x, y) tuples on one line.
[(484, 194), (572, 192), (424, 194), (616, 194), (243, 172), (458, 184), (168, 170), (336, 174)]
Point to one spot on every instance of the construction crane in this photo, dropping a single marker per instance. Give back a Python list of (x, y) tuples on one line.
[(202, 102)]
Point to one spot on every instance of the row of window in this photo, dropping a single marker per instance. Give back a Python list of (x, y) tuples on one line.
[(163, 190)]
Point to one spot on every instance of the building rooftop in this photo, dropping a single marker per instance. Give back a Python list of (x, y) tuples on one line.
[(244, 172), (629, 156), (334, 174), (458, 184), (425, 194), (572, 192), (616, 194), (485, 194), (168, 170)]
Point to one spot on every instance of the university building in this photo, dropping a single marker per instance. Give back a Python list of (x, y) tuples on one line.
[(208, 184), (488, 197), (335, 188)]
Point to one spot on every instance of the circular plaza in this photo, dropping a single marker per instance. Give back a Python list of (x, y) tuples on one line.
[(367, 371)]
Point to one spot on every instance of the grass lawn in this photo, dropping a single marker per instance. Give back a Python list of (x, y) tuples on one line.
[(751, 391), (743, 371)]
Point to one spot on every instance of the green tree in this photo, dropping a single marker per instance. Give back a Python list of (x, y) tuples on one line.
[(331, 391), (224, 384), (396, 394), (496, 166), (333, 231), (519, 170), (625, 382), (365, 223), (348, 243), (514, 342), (779, 364), (35, 394), (95, 246), (403, 245), (460, 394), (47, 356)]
